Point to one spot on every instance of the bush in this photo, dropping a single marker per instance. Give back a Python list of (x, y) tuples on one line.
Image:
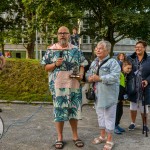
[(24, 79)]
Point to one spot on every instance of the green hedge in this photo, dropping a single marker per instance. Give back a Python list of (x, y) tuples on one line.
[(25, 80)]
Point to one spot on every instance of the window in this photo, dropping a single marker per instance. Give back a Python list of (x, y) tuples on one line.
[(38, 40), (86, 39), (85, 24), (25, 40)]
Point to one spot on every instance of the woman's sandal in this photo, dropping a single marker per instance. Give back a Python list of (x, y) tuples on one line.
[(78, 143), (99, 140), (59, 144), (108, 146)]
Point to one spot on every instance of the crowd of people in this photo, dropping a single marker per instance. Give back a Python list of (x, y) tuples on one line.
[(114, 81)]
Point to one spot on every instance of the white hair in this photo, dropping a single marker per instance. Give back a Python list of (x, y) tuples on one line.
[(106, 44)]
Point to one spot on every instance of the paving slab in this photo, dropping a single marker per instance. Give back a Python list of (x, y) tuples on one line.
[(31, 127)]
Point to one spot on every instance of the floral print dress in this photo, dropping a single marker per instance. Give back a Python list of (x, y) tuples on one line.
[(66, 91)]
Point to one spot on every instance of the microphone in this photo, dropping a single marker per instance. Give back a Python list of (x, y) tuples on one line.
[(61, 54)]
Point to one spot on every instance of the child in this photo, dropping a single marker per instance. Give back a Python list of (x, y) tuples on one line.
[(126, 69), (74, 38)]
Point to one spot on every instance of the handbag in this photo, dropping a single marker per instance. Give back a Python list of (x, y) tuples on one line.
[(90, 94)]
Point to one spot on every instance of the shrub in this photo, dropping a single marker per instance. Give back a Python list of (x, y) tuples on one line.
[(24, 79)]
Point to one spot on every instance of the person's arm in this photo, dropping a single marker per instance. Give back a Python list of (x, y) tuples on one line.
[(3, 61), (81, 72), (51, 67)]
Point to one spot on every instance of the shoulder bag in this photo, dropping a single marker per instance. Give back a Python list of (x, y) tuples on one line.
[(90, 94)]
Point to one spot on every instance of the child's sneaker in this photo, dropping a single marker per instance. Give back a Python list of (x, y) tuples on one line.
[(146, 128), (131, 127)]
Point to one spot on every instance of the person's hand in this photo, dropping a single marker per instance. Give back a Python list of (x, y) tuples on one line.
[(94, 78), (90, 79), (144, 83), (59, 62)]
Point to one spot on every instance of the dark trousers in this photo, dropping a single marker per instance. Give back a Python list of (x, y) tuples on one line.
[(119, 112)]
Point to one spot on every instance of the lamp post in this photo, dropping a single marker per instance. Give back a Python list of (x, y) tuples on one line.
[(79, 24), (36, 42)]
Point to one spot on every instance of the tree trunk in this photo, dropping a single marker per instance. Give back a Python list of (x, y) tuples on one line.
[(30, 50), (112, 48), (93, 50), (30, 46), (110, 37)]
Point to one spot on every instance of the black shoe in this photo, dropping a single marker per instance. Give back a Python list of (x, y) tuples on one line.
[(0, 110), (131, 127), (146, 128)]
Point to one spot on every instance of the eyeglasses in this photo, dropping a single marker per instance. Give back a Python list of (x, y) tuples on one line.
[(62, 33)]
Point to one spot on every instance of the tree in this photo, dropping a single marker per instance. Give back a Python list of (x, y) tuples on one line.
[(6, 21), (23, 24), (26, 25), (42, 15), (115, 20), (55, 13)]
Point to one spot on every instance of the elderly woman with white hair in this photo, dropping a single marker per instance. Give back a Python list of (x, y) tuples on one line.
[(106, 85)]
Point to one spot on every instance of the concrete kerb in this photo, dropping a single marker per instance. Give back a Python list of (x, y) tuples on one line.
[(24, 102), (49, 103)]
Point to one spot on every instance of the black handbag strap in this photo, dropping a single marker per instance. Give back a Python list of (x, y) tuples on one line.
[(99, 68), (101, 65)]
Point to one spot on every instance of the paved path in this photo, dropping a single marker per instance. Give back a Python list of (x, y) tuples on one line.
[(38, 133)]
